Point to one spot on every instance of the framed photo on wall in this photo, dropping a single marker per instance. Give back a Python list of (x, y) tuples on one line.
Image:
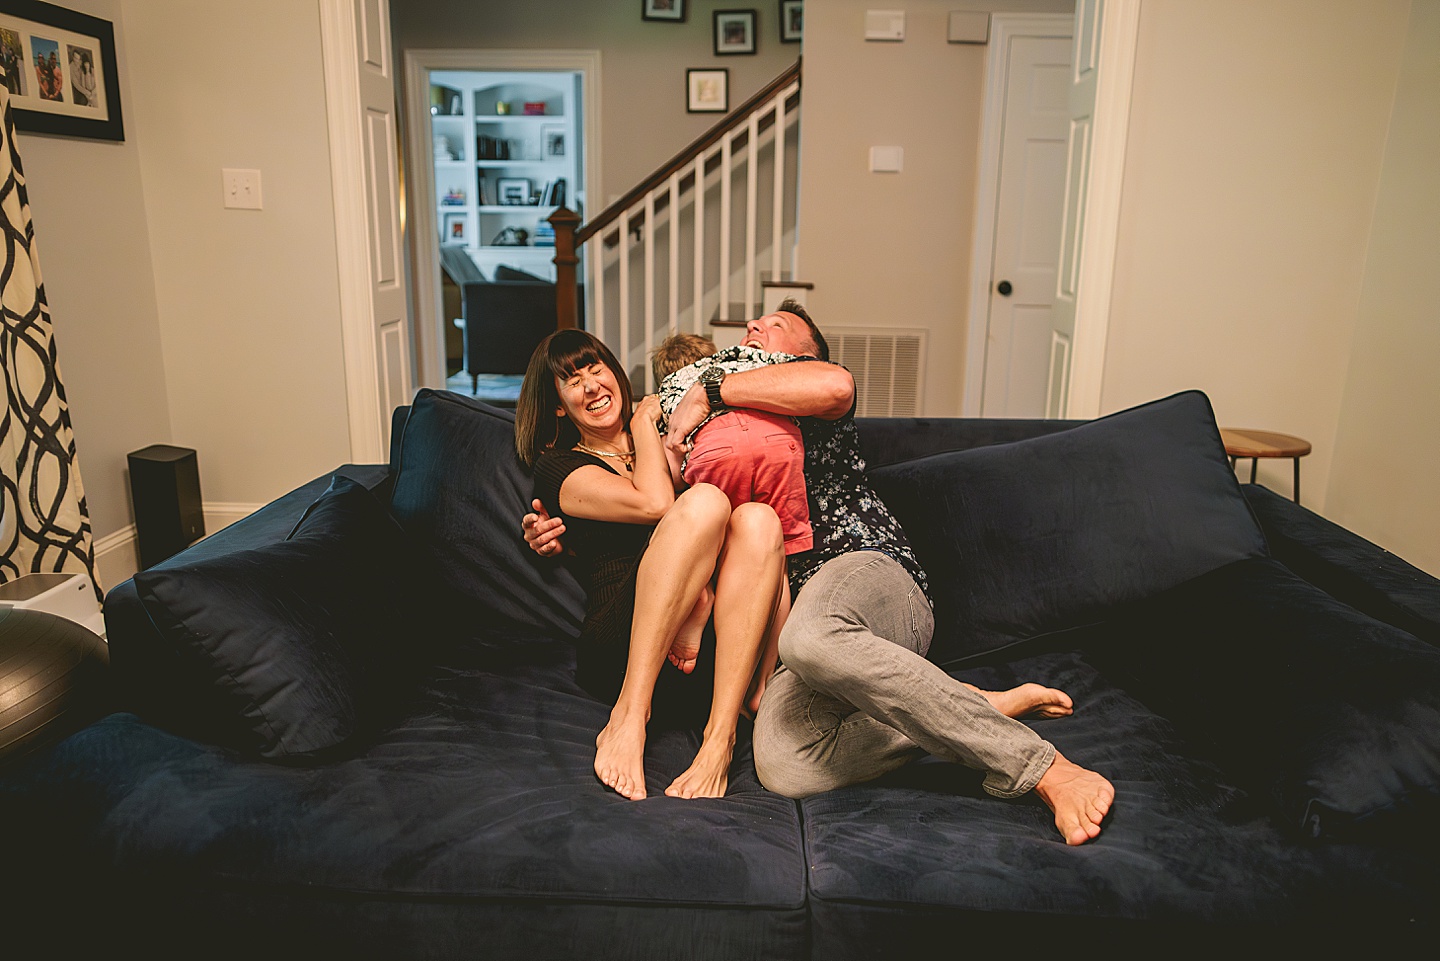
[(734, 32), (792, 20), (671, 10), (60, 69), (707, 90), (453, 230)]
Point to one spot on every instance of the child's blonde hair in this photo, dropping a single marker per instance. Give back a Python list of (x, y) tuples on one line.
[(676, 351)]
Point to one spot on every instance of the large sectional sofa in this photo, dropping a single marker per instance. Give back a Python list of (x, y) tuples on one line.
[(348, 726)]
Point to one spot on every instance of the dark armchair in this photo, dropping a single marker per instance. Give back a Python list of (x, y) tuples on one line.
[(505, 319)]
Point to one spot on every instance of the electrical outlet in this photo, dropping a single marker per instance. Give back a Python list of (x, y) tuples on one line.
[(242, 188)]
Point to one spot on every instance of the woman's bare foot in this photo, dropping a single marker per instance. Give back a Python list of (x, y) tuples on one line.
[(620, 755), (1028, 699), (1078, 797), (709, 774)]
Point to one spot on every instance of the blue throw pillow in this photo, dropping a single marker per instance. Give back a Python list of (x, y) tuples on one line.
[(1050, 533), (460, 492), (289, 646)]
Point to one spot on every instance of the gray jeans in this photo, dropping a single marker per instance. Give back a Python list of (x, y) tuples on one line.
[(855, 697)]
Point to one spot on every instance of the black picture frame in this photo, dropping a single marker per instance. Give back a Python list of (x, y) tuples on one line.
[(669, 11), (513, 191), (734, 32), (53, 99), (792, 20), (707, 90)]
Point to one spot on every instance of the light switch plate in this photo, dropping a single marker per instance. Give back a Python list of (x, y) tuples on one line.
[(885, 25), (969, 26), (887, 160), (242, 188)]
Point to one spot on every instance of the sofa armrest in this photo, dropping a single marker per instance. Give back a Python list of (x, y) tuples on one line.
[(142, 665), (1348, 567)]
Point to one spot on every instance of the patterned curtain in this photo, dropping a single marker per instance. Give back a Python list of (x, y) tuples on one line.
[(44, 523)]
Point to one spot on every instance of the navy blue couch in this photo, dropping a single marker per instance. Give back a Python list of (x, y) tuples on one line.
[(349, 727)]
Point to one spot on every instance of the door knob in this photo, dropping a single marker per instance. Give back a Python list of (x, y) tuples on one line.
[(1004, 288)]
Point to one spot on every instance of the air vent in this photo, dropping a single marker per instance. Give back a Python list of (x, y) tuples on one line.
[(886, 366)]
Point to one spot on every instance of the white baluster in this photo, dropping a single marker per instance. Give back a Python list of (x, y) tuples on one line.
[(752, 153), (699, 291)]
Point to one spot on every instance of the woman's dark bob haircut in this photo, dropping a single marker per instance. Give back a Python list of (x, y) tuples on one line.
[(540, 423)]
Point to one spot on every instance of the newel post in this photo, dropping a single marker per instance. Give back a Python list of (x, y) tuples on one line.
[(565, 221)]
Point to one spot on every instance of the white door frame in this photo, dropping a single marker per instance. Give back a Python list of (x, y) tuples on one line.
[(1107, 168), (1119, 35), (420, 178), (1003, 27)]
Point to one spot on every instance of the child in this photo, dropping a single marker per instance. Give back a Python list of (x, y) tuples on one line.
[(751, 455)]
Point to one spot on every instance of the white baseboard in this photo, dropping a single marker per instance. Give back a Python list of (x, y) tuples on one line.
[(117, 555)]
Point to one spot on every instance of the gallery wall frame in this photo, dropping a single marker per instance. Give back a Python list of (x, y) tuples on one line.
[(707, 90), (672, 11), (734, 32), (61, 71)]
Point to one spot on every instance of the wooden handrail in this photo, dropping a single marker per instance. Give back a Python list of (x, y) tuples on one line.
[(568, 239), (704, 142)]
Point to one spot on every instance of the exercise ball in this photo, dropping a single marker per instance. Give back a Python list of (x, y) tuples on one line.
[(54, 679)]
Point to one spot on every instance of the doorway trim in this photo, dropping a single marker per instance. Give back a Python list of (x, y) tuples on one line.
[(1003, 28), (420, 171), (1119, 36)]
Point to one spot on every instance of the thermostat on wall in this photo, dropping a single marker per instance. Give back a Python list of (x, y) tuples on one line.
[(884, 24)]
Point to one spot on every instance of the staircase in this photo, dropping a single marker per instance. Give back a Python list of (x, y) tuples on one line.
[(699, 246)]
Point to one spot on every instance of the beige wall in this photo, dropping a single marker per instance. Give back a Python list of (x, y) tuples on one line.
[(893, 250), (1256, 137), (93, 236), (248, 301), (642, 64), (1387, 445)]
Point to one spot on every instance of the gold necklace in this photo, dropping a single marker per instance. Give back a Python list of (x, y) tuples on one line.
[(625, 455)]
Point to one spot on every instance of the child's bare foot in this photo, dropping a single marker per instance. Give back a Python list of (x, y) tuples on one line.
[(1028, 699), (685, 649), (685, 652), (709, 774), (1078, 797), (620, 755)]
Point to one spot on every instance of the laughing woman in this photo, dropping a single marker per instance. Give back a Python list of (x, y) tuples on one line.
[(647, 560)]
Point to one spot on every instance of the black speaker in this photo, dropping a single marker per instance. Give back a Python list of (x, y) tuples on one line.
[(165, 491)]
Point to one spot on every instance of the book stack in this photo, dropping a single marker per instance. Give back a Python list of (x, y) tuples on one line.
[(544, 235)]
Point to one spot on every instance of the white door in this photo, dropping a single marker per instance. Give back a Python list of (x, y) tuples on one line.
[(1024, 348), (360, 86)]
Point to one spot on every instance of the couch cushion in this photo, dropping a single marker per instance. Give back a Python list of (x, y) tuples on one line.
[(284, 646), (1331, 716), (460, 491), (1050, 533), (474, 826), (899, 866)]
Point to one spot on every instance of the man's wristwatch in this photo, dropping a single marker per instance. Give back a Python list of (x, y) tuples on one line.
[(712, 378)]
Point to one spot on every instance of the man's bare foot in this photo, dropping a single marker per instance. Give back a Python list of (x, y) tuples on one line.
[(709, 774), (1027, 700), (620, 755), (1078, 797)]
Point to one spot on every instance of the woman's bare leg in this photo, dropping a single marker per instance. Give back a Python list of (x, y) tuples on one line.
[(676, 566), (686, 649), (770, 653), (747, 582)]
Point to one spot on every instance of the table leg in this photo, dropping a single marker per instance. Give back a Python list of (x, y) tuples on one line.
[(1254, 463), (1297, 480)]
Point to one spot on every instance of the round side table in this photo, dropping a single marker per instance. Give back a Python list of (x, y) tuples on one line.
[(1255, 444)]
